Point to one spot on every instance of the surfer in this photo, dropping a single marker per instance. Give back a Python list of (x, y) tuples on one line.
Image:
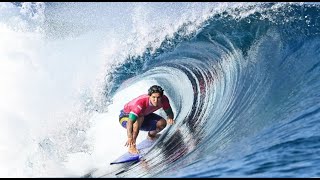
[(138, 115)]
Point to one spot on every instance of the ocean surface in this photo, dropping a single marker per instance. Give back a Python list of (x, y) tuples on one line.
[(243, 80)]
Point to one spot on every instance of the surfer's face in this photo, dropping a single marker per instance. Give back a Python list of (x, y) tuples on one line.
[(155, 98)]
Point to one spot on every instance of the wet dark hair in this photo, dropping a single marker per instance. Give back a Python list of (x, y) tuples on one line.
[(155, 89)]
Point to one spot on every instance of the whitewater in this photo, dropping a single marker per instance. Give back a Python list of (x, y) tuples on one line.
[(243, 80)]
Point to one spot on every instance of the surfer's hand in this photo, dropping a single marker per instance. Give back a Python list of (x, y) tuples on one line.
[(130, 142), (170, 121)]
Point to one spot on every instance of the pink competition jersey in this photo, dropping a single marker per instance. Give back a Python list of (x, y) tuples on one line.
[(141, 106)]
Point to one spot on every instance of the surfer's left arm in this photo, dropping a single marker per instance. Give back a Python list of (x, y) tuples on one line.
[(170, 115), (167, 108)]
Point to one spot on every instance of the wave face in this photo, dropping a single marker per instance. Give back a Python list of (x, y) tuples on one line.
[(245, 91)]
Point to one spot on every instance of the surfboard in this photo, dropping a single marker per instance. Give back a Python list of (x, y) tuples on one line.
[(143, 147)]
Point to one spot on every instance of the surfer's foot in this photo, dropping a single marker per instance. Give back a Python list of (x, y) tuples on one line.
[(133, 150), (152, 137)]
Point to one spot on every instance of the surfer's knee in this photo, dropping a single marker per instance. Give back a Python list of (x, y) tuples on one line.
[(161, 124)]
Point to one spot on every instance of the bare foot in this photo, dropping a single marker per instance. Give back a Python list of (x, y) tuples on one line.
[(152, 137), (133, 150)]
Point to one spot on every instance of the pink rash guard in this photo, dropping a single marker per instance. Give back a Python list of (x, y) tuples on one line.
[(141, 106)]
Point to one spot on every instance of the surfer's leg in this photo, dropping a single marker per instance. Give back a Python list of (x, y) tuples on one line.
[(138, 122), (161, 124), (123, 119), (133, 149), (154, 124)]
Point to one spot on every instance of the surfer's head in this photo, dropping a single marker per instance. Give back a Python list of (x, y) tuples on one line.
[(155, 92), (155, 89)]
